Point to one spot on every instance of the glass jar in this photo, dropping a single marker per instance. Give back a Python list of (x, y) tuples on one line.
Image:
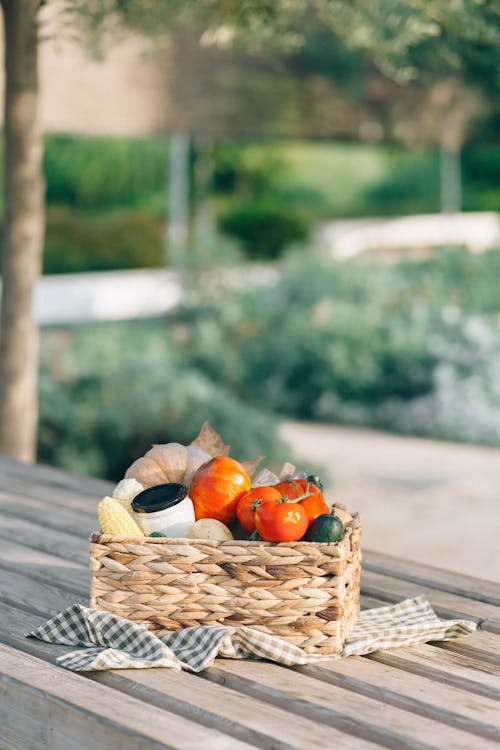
[(165, 508)]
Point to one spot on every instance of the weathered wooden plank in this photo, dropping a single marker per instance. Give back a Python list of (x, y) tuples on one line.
[(452, 669), (50, 476), (432, 577), (15, 623), (53, 497), (48, 516), (43, 706), (43, 567), (492, 626), (480, 645), (364, 716), (67, 546), (227, 710), (457, 708), (444, 603), (44, 599)]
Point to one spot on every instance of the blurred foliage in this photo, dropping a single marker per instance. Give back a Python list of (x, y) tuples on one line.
[(107, 197), (102, 173), (407, 39), (342, 180), (481, 178), (108, 391), (77, 241), (265, 228), (412, 347), (353, 342)]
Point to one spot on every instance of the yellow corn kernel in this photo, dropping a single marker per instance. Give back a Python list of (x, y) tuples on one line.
[(127, 504), (115, 520), (125, 491)]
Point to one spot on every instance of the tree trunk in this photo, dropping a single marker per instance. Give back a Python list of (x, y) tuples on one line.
[(23, 232)]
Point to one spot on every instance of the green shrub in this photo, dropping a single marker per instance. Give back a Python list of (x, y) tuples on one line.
[(249, 169), (319, 335), (107, 392), (101, 173), (77, 241), (264, 228)]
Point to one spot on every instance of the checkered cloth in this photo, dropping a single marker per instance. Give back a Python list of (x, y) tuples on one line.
[(111, 642)]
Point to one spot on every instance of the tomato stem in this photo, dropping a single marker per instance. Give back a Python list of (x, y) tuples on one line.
[(296, 499), (256, 503)]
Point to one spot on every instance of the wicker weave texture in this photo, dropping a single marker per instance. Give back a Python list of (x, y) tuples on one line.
[(304, 592)]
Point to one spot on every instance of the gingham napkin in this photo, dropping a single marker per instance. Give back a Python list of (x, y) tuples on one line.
[(111, 642)]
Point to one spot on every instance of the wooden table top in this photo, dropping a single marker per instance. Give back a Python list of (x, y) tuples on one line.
[(443, 695)]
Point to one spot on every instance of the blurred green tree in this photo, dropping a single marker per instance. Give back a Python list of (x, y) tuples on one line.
[(408, 40)]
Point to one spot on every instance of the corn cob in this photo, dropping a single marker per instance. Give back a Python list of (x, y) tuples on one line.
[(115, 520), (125, 491)]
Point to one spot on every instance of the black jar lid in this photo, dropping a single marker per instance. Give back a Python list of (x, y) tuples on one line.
[(159, 498)]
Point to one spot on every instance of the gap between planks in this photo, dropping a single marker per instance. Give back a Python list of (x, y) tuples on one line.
[(51, 477)]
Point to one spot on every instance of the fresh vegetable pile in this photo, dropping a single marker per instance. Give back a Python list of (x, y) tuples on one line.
[(207, 494)]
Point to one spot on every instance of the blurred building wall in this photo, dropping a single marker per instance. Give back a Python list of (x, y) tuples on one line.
[(122, 94), (136, 90)]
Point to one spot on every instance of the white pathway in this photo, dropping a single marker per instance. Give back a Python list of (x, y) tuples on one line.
[(425, 500), (106, 295), (478, 231)]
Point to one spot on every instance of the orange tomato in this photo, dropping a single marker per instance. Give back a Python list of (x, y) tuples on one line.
[(290, 489), (217, 487), (314, 505), (245, 509)]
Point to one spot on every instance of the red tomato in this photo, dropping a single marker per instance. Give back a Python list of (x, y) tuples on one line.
[(245, 513), (315, 505), (217, 487), (279, 521)]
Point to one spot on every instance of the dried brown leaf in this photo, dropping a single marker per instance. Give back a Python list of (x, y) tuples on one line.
[(210, 441)]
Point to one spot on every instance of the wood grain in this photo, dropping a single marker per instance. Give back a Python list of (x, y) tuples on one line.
[(43, 706), (427, 575), (445, 604)]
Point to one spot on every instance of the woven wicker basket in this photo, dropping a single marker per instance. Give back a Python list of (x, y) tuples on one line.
[(304, 592)]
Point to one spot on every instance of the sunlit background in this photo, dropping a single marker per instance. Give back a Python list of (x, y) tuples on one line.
[(291, 241)]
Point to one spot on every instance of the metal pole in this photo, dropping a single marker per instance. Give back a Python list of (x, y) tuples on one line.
[(451, 182), (178, 201)]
